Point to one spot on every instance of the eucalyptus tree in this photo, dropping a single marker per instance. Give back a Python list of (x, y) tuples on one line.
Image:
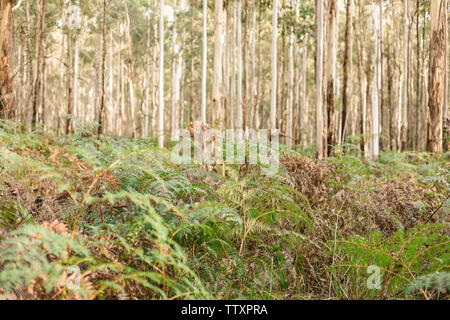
[(330, 74), (438, 74), (161, 76), (239, 111), (319, 78), (273, 99), (217, 73), (6, 89), (205, 59)]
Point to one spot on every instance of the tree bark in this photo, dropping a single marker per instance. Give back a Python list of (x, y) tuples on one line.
[(345, 67), (239, 115), (404, 114), (101, 116), (217, 78), (319, 79), (330, 66), (273, 99), (161, 76), (205, 59), (69, 76), (37, 87), (436, 85), (6, 89), (376, 84)]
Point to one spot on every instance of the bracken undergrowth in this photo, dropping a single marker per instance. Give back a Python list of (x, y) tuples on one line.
[(83, 217)]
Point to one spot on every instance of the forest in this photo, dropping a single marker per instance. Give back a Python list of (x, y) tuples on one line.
[(224, 149)]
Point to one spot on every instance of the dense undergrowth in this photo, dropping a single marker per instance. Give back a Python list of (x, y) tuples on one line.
[(88, 218)]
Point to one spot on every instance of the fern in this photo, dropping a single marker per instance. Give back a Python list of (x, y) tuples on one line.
[(438, 282)]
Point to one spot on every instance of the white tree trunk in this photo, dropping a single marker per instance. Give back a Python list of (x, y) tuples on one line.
[(176, 74), (76, 70), (205, 59), (304, 112), (110, 110), (239, 119), (404, 113), (290, 100), (319, 73), (273, 98), (161, 76), (254, 84), (147, 76), (376, 87), (374, 150), (217, 80)]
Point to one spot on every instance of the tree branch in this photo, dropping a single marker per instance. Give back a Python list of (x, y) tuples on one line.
[(17, 6)]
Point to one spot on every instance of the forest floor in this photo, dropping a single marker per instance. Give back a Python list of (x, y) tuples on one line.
[(109, 218)]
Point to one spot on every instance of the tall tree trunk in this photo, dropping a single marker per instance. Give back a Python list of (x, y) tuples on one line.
[(147, 72), (404, 116), (361, 84), (37, 87), (345, 67), (382, 126), (42, 108), (131, 75), (418, 89), (161, 76), (205, 59), (76, 70), (273, 99), (217, 72), (376, 84), (227, 66), (446, 117), (110, 111), (436, 85), (61, 71), (319, 78), (290, 101), (259, 84), (304, 111), (330, 66), (155, 72), (239, 116), (391, 135), (175, 78), (6, 90), (101, 116), (254, 82), (69, 75), (181, 74)]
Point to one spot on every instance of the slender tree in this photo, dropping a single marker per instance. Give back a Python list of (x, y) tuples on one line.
[(176, 74), (147, 70), (290, 101), (205, 59), (239, 115), (346, 67), (273, 99), (405, 98), (436, 85), (319, 79), (330, 67), (161, 76), (101, 117), (376, 84), (37, 87), (69, 71), (6, 89), (217, 78)]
